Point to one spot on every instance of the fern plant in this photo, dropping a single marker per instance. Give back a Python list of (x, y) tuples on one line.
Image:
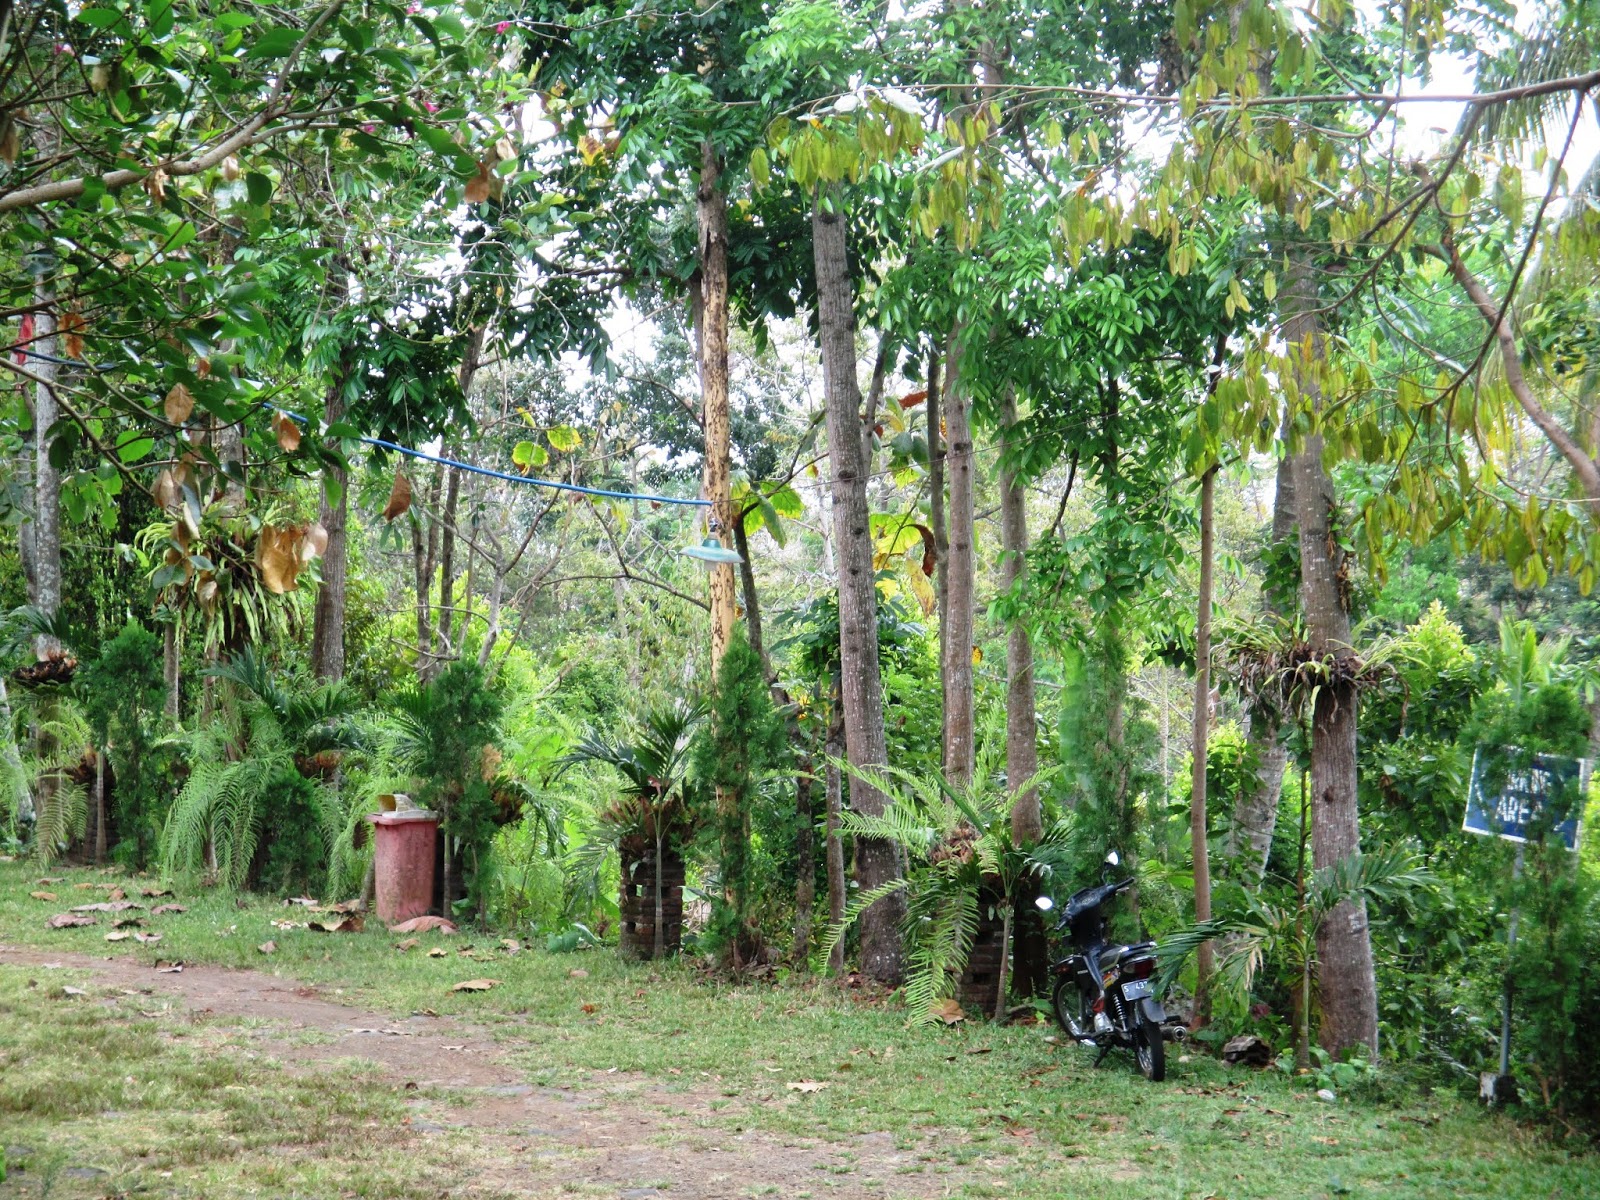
[(256, 767), (960, 844)]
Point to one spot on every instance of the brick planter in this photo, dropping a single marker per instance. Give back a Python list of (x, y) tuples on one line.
[(637, 901), (977, 986)]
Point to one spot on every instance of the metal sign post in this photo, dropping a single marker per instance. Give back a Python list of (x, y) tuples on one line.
[(1514, 813)]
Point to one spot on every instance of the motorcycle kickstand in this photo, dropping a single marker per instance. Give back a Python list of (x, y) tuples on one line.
[(1104, 1050)]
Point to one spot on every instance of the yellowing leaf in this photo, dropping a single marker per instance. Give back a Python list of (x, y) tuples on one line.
[(475, 985), (277, 559), (977, 655), (179, 404), (564, 438), (399, 497), (287, 432), (806, 1085)]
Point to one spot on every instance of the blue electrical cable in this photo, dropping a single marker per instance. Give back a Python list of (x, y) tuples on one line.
[(425, 457)]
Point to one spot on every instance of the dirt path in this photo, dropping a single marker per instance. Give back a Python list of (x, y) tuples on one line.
[(620, 1134)]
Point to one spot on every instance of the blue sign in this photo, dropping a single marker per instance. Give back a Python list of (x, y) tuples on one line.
[(1511, 793)]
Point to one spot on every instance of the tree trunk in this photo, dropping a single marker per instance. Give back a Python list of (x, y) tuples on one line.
[(660, 949), (46, 479), (1199, 847), (1255, 816), (172, 665), (1001, 990), (957, 643), (327, 630), (447, 566), (936, 521), (834, 787), (1022, 725), (877, 861), (1346, 981), (712, 212), (752, 600), (100, 804), (805, 853)]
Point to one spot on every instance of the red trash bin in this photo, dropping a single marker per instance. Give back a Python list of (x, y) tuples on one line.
[(403, 863)]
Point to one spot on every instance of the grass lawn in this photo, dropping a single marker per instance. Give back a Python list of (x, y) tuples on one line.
[(116, 1092)]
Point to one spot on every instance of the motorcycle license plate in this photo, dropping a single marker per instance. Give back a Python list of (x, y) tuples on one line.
[(1138, 989)]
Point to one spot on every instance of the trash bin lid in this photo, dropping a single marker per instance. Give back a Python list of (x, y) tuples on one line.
[(403, 818)]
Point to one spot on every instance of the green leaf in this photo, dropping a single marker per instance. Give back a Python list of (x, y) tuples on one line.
[(529, 454), (277, 42), (135, 448), (259, 188), (100, 18), (159, 14), (774, 523), (564, 438)]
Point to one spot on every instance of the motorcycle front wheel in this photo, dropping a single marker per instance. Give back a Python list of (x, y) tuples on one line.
[(1151, 1051), (1072, 1010)]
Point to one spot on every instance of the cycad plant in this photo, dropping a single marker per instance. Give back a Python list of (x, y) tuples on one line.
[(261, 764), (656, 803), (960, 843), (1276, 927)]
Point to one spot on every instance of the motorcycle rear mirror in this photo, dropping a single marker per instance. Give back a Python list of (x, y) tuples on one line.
[(1044, 903), (1113, 858)]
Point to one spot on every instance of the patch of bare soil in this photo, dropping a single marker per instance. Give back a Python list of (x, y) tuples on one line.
[(620, 1134)]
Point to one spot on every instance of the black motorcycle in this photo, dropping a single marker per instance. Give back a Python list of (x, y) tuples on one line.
[(1105, 994)]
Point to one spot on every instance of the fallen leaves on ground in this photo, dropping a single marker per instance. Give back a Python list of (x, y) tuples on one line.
[(43, 895), (148, 939), (69, 990), (155, 892), (351, 924), (806, 1085), (577, 973), (167, 908), (407, 944), (169, 968), (267, 948), (120, 935), (475, 985), (69, 921), (108, 906), (424, 925), (47, 880), (949, 1011), (437, 952), (511, 945)]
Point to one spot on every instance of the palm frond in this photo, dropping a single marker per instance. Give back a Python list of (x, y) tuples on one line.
[(854, 909)]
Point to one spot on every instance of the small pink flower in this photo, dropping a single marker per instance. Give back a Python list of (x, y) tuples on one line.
[(63, 48), (502, 26), (430, 106), (369, 127), (413, 8)]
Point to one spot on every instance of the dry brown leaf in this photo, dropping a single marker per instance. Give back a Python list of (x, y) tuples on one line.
[(180, 403), (475, 985), (117, 894), (69, 990), (399, 497), (148, 939), (230, 169), (276, 558), (168, 968), (424, 925), (949, 1011), (69, 921), (287, 431), (85, 887), (511, 945), (407, 944), (478, 185), (577, 973), (267, 948), (43, 895), (71, 330), (503, 149), (167, 908), (155, 185), (806, 1085), (47, 880), (313, 542), (350, 924), (108, 906), (155, 892), (590, 1008), (120, 935), (437, 952)]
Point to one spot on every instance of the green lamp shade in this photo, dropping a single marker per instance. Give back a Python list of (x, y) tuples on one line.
[(712, 551)]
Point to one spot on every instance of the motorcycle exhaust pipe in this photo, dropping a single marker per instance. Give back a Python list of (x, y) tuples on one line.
[(1174, 1033)]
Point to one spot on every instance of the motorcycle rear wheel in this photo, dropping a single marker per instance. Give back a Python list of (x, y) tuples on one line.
[(1072, 1010), (1151, 1050)]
